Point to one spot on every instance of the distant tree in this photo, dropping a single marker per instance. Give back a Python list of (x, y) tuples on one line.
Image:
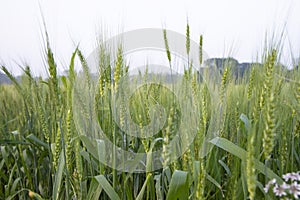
[(4, 79)]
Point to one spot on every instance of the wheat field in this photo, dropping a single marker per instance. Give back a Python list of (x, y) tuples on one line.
[(43, 154)]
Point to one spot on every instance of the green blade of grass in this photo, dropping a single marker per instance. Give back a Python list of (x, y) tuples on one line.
[(179, 188), (94, 190), (58, 176), (213, 181), (91, 147), (13, 142), (107, 187), (34, 140), (141, 193), (242, 154)]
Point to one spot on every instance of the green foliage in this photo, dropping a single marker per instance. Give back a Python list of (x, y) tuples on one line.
[(43, 155)]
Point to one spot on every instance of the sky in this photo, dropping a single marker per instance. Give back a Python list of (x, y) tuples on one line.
[(236, 28)]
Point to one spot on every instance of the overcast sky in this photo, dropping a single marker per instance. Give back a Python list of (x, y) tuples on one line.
[(236, 28)]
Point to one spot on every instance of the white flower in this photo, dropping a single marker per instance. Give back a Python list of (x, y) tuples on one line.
[(290, 186), (287, 176), (266, 189), (280, 190), (271, 182), (293, 176), (285, 186), (294, 189)]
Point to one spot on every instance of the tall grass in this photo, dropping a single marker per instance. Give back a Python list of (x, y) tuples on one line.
[(44, 156)]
